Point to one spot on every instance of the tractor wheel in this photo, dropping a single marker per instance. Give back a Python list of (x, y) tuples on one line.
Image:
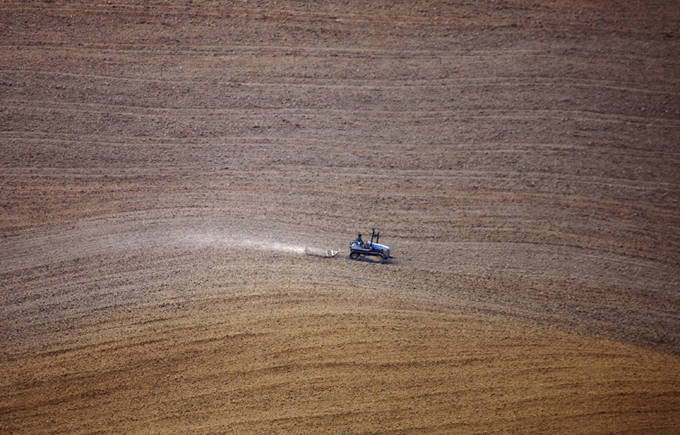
[(354, 255)]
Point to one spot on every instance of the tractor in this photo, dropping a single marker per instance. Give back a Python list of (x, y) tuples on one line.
[(357, 250)]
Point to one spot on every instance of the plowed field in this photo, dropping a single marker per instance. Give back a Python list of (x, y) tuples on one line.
[(164, 166)]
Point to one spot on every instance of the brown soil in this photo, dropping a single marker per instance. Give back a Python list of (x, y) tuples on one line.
[(164, 165)]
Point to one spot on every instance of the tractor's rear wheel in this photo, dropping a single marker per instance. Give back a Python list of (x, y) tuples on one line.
[(354, 255)]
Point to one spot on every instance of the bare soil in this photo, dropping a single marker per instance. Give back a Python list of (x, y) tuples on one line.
[(164, 166)]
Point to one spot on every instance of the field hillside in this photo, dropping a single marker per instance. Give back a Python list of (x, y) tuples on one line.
[(167, 167)]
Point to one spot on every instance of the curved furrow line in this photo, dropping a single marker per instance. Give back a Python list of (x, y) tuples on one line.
[(586, 116)]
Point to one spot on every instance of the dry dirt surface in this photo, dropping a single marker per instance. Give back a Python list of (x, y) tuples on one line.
[(164, 165)]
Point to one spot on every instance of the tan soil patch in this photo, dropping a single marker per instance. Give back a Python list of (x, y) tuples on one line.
[(305, 369)]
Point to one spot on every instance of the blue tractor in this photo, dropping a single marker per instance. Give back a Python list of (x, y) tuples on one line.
[(358, 249)]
